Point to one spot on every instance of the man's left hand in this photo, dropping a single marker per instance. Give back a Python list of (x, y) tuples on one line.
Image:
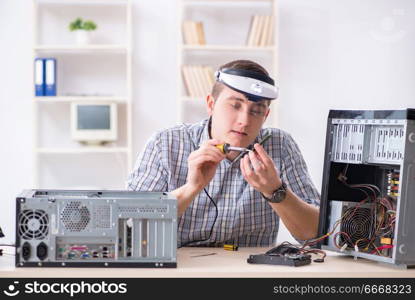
[(260, 172)]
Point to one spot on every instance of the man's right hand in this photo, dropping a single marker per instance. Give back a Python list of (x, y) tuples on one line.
[(202, 164)]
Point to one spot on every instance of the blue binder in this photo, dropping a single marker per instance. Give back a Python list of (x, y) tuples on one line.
[(50, 77), (39, 77)]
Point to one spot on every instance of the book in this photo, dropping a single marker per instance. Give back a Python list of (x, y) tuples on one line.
[(260, 28), (252, 30), (265, 30), (191, 79), (50, 77), (206, 82), (209, 74), (200, 33), (39, 77), (193, 32), (270, 37), (198, 81), (187, 38), (186, 80), (188, 34)]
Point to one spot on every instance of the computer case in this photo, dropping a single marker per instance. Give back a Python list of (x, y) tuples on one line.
[(70, 228), (368, 190)]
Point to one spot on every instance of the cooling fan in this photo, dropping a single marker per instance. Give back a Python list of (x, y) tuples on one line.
[(75, 216), (33, 224), (358, 224)]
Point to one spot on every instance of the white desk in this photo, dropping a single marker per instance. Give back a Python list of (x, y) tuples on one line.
[(222, 264)]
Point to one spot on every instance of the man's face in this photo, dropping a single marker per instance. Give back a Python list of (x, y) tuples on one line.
[(235, 119)]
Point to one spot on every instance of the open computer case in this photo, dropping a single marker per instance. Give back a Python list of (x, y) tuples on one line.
[(368, 190)]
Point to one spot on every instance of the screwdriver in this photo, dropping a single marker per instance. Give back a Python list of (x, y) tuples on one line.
[(226, 148)]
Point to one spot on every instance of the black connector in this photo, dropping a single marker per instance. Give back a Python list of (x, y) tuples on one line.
[(26, 250), (42, 251)]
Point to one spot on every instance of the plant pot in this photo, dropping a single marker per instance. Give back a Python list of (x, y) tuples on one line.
[(83, 37)]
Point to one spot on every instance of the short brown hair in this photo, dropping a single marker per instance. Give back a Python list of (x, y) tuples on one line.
[(240, 64)]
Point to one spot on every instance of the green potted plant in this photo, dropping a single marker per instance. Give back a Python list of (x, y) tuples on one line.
[(83, 30)]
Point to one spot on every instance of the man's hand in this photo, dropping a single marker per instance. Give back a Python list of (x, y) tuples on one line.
[(260, 172), (202, 164)]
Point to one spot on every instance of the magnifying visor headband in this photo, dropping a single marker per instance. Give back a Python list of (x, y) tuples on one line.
[(255, 86)]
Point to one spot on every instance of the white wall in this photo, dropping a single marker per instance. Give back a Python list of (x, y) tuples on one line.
[(342, 55), (333, 54), (15, 107)]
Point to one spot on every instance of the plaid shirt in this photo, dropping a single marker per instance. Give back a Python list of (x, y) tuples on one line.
[(244, 217)]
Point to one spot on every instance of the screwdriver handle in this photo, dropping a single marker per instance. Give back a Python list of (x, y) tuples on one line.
[(223, 147)]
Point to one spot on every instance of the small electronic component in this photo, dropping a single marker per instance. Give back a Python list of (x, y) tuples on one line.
[(230, 247), (287, 254), (393, 183), (294, 260), (386, 241)]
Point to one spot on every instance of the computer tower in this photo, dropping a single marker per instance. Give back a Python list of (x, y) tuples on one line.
[(368, 190), (69, 228)]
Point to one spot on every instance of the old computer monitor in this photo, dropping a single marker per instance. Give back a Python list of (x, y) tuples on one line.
[(94, 122)]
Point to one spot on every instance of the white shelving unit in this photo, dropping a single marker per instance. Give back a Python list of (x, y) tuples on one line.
[(226, 48), (69, 99), (234, 17), (81, 150), (109, 58), (83, 48)]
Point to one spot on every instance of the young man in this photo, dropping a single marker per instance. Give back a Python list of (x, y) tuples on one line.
[(237, 197)]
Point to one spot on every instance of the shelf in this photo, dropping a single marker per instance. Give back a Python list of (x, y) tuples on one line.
[(82, 2), (190, 2), (69, 99), (81, 48), (193, 99), (98, 72), (226, 48), (91, 149)]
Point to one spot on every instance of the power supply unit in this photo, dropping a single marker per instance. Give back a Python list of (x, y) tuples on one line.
[(69, 228), (368, 191)]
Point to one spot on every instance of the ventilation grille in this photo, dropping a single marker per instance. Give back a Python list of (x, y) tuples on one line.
[(358, 224), (134, 209), (102, 216), (33, 224), (75, 216)]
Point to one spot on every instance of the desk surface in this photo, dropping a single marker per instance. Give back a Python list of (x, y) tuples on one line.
[(222, 264)]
